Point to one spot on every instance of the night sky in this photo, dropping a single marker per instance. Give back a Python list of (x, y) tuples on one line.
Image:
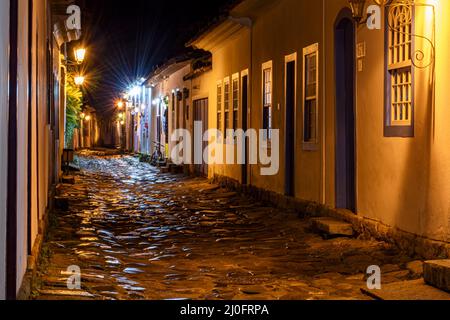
[(126, 39)]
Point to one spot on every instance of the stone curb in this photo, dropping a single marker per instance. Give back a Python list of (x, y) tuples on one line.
[(408, 242)]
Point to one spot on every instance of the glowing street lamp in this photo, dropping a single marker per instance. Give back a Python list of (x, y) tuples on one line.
[(120, 115), (79, 80), (120, 104), (134, 91), (82, 115), (156, 101), (88, 118), (359, 7), (80, 54)]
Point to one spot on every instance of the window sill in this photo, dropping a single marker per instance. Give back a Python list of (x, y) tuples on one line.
[(399, 132), (310, 146)]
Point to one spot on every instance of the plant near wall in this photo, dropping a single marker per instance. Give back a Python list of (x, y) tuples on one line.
[(74, 97)]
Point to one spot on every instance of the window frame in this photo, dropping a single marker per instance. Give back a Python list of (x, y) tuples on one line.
[(399, 130), (219, 105), (288, 59), (243, 74), (235, 100), (266, 66), (226, 102), (310, 145)]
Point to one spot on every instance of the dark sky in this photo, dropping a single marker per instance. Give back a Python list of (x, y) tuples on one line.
[(127, 38)]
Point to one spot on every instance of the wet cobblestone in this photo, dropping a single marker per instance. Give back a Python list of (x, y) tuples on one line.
[(138, 234)]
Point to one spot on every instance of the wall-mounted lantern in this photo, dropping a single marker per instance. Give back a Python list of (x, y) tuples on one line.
[(359, 9), (186, 93), (79, 80), (80, 54)]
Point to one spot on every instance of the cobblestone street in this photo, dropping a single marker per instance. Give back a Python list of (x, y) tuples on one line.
[(136, 233)]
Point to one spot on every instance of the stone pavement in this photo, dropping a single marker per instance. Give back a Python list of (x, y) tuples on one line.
[(138, 234)]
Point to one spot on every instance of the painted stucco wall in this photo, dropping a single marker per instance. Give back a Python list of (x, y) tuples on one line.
[(42, 151), (280, 30), (156, 93), (39, 138), (403, 182), (331, 12), (229, 60), (146, 121), (165, 88)]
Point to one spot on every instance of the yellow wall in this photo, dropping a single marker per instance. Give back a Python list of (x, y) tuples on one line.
[(403, 182), (284, 28), (232, 57), (202, 87), (437, 224)]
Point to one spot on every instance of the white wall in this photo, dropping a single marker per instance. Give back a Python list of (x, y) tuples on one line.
[(4, 63), (22, 142), (34, 147), (173, 83), (146, 119)]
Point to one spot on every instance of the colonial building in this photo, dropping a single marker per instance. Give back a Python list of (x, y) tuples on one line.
[(32, 102), (177, 98)]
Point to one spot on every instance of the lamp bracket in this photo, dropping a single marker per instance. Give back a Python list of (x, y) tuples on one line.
[(402, 12)]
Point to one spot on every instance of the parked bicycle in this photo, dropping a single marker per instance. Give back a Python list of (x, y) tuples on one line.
[(157, 158)]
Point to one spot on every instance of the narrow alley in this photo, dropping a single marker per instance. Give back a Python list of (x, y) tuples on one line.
[(136, 233), (226, 150)]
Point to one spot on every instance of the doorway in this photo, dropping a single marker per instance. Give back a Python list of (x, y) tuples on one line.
[(345, 113), (201, 114), (290, 128), (244, 104)]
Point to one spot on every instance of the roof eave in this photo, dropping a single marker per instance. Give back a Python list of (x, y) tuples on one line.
[(214, 37)]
